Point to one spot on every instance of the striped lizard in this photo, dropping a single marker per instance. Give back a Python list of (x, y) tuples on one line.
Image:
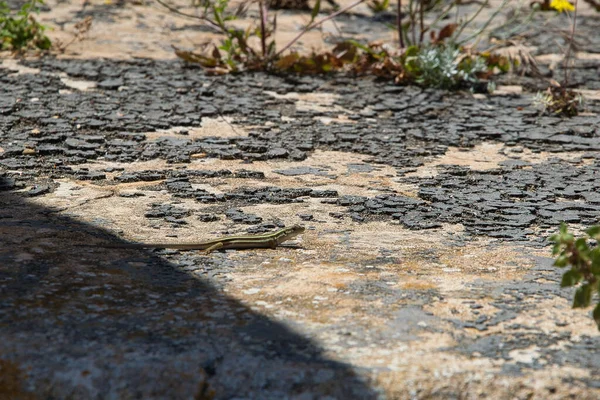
[(267, 240)]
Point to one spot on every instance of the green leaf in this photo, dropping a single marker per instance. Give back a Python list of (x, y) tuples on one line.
[(44, 43), (271, 48), (561, 261), (364, 48), (594, 232), (315, 11), (583, 296), (581, 245), (570, 278), (556, 249), (412, 51), (567, 238), (596, 315), (563, 228), (217, 15), (595, 257)]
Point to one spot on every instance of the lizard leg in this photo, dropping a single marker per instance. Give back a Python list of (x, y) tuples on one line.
[(214, 247)]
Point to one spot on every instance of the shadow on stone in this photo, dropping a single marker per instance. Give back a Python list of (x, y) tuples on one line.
[(97, 323)]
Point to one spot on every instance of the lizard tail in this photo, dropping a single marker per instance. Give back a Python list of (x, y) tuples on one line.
[(128, 245)]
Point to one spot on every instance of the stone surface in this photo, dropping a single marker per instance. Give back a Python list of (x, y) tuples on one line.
[(424, 272)]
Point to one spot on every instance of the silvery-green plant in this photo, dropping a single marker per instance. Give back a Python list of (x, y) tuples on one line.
[(446, 67)]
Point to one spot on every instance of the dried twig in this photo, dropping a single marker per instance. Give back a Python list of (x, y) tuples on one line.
[(399, 23), (314, 25), (200, 17), (568, 55)]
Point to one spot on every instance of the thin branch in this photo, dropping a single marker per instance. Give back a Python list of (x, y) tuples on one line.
[(263, 26), (411, 13), (399, 23), (421, 17), (442, 15), (314, 25), (487, 23), (203, 18), (568, 55), (467, 22)]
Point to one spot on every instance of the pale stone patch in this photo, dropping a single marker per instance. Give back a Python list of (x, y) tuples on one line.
[(554, 59), (503, 90), (549, 311), (137, 166), (69, 195), (324, 99), (316, 101), (221, 127), (77, 84), (589, 94), (335, 245), (340, 119), (526, 356), (125, 215), (587, 56), (382, 179), (13, 64), (484, 156), (481, 380), (122, 37), (455, 307), (550, 59), (488, 156), (525, 154)]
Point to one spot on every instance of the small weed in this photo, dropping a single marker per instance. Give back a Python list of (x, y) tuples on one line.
[(378, 6), (236, 53), (81, 29), (558, 99), (21, 30), (584, 260)]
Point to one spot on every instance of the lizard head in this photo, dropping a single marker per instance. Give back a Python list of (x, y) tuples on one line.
[(295, 230)]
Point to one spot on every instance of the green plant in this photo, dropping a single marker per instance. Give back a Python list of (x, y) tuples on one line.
[(445, 67), (81, 29), (584, 259), (235, 53), (378, 6), (558, 99), (414, 31), (20, 31), (437, 65)]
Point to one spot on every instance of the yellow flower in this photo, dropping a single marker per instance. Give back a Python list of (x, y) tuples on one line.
[(561, 5)]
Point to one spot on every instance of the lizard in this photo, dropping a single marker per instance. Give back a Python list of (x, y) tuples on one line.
[(268, 240)]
